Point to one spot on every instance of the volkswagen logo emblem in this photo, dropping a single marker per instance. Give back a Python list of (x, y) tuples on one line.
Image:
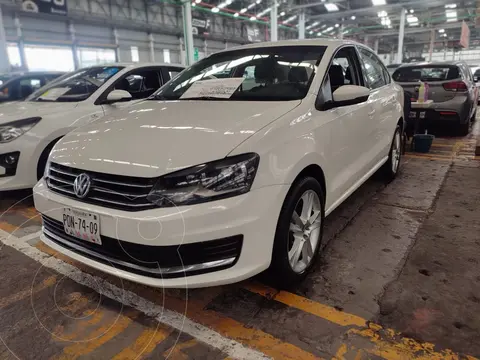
[(81, 185)]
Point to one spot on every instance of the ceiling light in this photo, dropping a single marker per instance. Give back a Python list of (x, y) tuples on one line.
[(229, 2), (451, 6), (215, 9), (353, 17), (310, 32), (253, 18), (312, 25), (198, 1), (282, 13), (244, 10), (251, 6), (291, 18), (412, 11), (329, 29), (441, 31), (412, 19), (337, 25), (382, 14), (452, 19), (259, 1), (260, 14), (451, 13), (193, 4), (444, 35), (236, 14), (319, 33), (378, 2), (331, 7)]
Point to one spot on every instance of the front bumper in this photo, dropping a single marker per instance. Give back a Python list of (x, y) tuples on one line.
[(26, 168), (252, 216)]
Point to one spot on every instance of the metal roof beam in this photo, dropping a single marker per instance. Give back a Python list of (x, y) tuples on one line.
[(416, 30)]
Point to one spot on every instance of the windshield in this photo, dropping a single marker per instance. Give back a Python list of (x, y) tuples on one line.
[(426, 73), (75, 86), (256, 74)]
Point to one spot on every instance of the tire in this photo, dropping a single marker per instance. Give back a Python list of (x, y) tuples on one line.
[(464, 129), (281, 272), (390, 168), (42, 162)]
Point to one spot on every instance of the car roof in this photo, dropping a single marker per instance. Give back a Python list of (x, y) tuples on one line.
[(133, 65), (308, 42)]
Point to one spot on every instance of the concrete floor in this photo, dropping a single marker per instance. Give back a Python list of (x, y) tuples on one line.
[(398, 279)]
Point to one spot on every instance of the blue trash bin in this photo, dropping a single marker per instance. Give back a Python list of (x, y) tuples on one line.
[(422, 142)]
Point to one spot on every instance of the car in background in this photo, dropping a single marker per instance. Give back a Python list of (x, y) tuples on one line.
[(29, 129), (223, 178), (451, 87), (19, 86)]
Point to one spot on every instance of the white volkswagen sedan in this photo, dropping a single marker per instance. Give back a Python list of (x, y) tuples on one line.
[(229, 169), (29, 129)]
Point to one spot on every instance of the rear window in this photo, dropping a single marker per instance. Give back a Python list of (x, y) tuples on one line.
[(426, 73)]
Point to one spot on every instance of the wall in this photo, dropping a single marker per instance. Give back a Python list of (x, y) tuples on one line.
[(139, 23)]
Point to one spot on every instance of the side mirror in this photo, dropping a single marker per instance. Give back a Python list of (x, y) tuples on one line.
[(348, 95), (475, 78), (117, 96)]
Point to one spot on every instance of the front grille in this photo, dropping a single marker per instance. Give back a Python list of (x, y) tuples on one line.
[(152, 261), (112, 191)]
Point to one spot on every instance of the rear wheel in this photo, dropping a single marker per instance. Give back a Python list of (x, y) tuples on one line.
[(299, 233), (464, 129), (390, 168)]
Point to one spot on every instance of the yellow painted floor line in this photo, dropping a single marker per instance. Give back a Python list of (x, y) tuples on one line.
[(27, 292), (324, 311), (144, 344), (8, 227), (428, 157), (374, 339), (97, 338)]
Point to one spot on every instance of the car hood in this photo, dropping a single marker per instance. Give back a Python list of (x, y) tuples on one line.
[(153, 138), (25, 109)]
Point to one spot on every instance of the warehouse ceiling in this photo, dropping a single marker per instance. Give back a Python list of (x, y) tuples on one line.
[(363, 20)]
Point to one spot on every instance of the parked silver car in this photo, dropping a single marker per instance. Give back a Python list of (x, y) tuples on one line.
[(451, 87)]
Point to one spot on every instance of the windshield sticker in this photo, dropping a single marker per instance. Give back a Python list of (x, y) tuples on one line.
[(109, 72), (54, 94), (219, 88)]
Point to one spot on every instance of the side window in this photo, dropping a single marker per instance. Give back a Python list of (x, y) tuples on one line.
[(140, 84), (344, 70), (373, 69), (249, 76), (29, 85)]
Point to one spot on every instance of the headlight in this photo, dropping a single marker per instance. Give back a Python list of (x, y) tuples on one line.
[(207, 182), (12, 130)]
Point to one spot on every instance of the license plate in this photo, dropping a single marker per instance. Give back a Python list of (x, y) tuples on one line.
[(422, 115), (81, 224), (412, 115)]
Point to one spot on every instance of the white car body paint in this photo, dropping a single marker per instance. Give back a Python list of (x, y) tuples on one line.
[(348, 143), (58, 118)]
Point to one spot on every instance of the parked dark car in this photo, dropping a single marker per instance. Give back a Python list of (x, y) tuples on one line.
[(19, 86), (451, 87)]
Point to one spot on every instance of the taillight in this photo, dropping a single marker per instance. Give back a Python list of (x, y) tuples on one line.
[(455, 86)]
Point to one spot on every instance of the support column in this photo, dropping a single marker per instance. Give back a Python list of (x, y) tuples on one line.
[(400, 37), (375, 45), (432, 43), (274, 21), (71, 30), (366, 40), (187, 31), (301, 25), (151, 46), (340, 31), (117, 46), (21, 43), (4, 64), (205, 48)]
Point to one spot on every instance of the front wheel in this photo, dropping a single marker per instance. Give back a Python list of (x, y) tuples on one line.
[(390, 168), (299, 233)]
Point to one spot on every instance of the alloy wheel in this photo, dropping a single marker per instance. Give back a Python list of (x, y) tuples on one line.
[(304, 232)]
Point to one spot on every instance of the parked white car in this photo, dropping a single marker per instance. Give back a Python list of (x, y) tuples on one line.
[(215, 178), (29, 129)]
